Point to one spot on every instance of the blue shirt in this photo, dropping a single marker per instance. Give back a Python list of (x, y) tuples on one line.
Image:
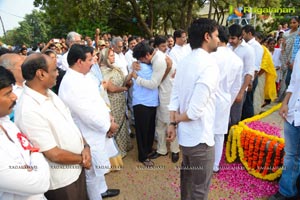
[(142, 95), (296, 47)]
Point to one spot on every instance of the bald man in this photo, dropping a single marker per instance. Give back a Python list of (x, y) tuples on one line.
[(13, 62)]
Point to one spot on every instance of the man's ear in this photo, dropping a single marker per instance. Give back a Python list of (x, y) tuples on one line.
[(40, 74), (206, 36)]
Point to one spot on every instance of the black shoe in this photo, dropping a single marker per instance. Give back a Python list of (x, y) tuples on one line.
[(175, 157), (156, 155), (110, 193)]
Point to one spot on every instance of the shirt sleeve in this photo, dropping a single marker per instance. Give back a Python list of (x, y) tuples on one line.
[(159, 66), (89, 109), (249, 63), (292, 85), (22, 181)]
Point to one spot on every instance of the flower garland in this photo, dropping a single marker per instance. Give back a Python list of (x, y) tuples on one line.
[(251, 145)]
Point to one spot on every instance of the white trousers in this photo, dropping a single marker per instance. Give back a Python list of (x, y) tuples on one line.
[(160, 129), (219, 143), (96, 185)]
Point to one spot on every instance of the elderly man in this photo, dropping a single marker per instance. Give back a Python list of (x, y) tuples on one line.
[(13, 62), (80, 93), (24, 172), (49, 125), (72, 38)]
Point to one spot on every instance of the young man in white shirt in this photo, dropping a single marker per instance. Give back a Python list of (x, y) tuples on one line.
[(192, 109), (24, 172), (246, 53), (231, 67), (49, 125)]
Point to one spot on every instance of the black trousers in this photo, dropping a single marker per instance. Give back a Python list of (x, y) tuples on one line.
[(144, 118)]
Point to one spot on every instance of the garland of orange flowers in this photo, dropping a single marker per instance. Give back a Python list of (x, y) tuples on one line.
[(251, 145)]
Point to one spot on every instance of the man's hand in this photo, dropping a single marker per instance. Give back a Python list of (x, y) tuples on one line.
[(113, 127), (134, 74), (171, 133), (239, 97), (136, 66), (86, 158), (283, 111)]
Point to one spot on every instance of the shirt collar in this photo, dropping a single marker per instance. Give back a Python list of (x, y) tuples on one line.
[(251, 41), (76, 73), (38, 97)]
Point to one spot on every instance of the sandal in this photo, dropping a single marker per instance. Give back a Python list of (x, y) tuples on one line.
[(148, 163)]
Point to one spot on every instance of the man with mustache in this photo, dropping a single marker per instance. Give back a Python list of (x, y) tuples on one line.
[(80, 93), (49, 125), (24, 173)]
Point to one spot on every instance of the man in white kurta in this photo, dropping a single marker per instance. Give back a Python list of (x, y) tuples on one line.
[(24, 172), (89, 111), (230, 66)]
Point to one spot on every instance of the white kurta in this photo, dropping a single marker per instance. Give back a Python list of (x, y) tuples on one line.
[(20, 184), (89, 111), (121, 62), (230, 66), (177, 53)]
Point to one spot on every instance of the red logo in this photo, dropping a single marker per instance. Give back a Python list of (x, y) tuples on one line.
[(25, 143)]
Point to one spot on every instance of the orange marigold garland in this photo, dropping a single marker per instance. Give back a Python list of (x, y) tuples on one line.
[(260, 153)]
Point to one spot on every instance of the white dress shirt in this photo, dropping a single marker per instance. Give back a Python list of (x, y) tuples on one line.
[(294, 102), (194, 92), (258, 50), (16, 183), (230, 67), (48, 124), (177, 53), (121, 62), (89, 111), (64, 62)]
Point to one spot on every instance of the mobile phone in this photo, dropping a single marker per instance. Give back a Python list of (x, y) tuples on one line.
[(56, 40)]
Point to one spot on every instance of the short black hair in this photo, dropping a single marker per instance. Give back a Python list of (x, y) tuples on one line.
[(32, 63), (198, 29), (6, 78), (131, 38), (78, 51), (141, 49), (235, 30), (249, 29), (178, 33), (223, 34), (159, 39)]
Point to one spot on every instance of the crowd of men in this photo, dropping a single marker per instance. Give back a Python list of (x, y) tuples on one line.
[(76, 101)]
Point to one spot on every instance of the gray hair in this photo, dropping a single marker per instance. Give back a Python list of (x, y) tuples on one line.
[(9, 60), (71, 37), (115, 40)]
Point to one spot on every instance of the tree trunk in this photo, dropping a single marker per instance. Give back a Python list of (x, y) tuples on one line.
[(142, 24)]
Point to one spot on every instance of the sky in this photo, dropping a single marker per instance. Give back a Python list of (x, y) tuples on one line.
[(14, 11)]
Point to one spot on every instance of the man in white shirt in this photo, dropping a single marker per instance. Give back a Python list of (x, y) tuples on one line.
[(289, 111), (72, 38), (246, 53), (49, 125), (248, 33), (231, 67), (80, 93), (181, 48), (24, 173), (192, 109)]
